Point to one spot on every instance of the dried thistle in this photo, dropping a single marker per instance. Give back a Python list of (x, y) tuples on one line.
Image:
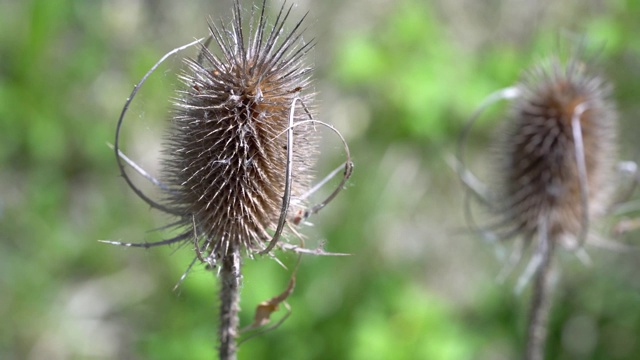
[(238, 158), (558, 152), (556, 167), (555, 158), (226, 156)]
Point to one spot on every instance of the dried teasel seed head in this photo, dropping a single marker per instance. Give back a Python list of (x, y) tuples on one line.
[(226, 155), (558, 151)]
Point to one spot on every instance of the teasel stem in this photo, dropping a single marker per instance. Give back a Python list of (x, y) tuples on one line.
[(542, 293), (230, 282)]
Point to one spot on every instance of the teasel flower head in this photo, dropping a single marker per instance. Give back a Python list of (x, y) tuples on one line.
[(558, 151), (227, 153), (557, 172), (238, 157), (554, 172)]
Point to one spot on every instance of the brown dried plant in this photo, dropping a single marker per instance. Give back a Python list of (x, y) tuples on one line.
[(555, 174), (239, 157)]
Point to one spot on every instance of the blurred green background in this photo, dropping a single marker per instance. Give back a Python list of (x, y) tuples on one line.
[(398, 78)]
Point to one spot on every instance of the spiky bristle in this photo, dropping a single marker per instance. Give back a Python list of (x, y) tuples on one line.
[(226, 155), (540, 171)]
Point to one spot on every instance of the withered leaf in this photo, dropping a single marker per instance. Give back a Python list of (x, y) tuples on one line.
[(266, 308)]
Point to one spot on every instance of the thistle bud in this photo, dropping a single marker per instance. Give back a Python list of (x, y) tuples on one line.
[(558, 152), (555, 172), (226, 155), (239, 154)]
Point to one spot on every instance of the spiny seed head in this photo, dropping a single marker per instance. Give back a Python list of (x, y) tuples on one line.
[(539, 168), (226, 154)]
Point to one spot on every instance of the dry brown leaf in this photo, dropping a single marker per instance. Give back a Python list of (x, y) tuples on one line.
[(266, 308)]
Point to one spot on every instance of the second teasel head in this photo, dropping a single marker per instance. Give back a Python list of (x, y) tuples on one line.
[(558, 150), (226, 155)]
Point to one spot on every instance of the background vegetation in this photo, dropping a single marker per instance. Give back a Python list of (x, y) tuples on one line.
[(399, 78)]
